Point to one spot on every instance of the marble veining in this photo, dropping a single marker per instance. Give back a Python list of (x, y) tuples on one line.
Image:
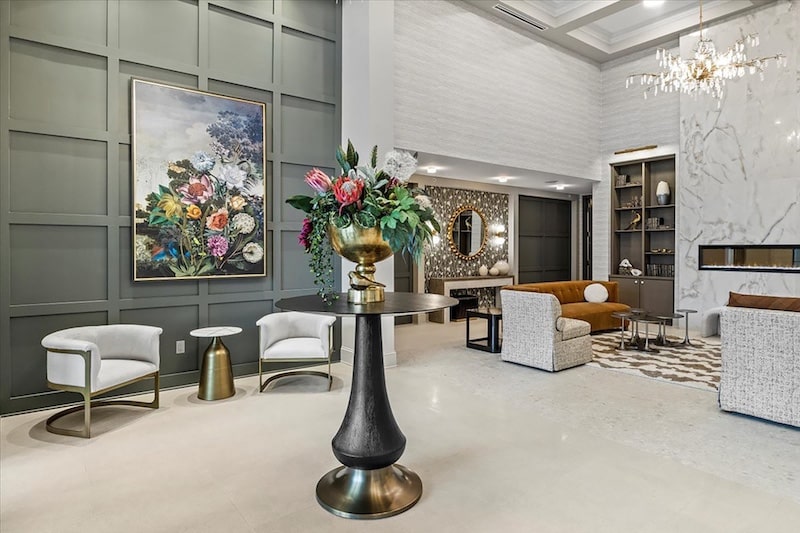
[(739, 173)]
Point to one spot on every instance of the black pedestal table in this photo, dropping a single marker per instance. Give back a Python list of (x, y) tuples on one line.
[(369, 441)]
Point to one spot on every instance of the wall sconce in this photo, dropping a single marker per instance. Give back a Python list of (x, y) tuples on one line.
[(497, 234)]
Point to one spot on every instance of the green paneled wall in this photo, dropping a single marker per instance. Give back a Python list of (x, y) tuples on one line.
[(65, 170)]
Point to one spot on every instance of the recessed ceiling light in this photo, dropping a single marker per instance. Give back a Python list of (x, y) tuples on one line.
[(431, 170), (502, 179), (652, 3), (560, 187)]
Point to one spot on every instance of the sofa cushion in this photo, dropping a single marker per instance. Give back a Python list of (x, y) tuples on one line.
[(595, 293), (757, 301)]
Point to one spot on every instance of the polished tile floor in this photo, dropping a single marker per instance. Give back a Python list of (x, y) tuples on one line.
[(499, 447)]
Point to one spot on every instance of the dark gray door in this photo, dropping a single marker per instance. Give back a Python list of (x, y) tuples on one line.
[(545, 239), (403, 265)]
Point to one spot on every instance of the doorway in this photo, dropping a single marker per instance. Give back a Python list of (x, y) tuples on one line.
[(587, 236), (545, 239)]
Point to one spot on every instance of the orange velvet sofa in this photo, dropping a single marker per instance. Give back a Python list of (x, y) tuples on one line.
[(573, 304)]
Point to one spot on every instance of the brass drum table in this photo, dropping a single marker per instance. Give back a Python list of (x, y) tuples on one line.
[(369, 441), (216, 373)]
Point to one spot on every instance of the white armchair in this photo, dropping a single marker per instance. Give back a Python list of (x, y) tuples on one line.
[(535, 334), (293, 337), (92, 360)]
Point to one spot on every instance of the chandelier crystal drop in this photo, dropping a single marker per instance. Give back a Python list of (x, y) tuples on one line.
[(708, 71)]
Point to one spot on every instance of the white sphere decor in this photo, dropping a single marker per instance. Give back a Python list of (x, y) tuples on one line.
[(483, 270), (493, 271), (502, 267), (662, 193)]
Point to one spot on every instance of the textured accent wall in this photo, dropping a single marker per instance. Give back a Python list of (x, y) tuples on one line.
[(627, 120), (740, 164), (480, 89), (65, 224), (440, 262)]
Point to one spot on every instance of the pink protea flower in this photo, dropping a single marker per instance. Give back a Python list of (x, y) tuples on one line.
[(197, 191), (305, 233), (347, 191), (318, 180)]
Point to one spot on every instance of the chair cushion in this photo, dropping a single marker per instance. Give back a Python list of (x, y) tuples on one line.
[(296, 348), (116, 371), (571, 328)]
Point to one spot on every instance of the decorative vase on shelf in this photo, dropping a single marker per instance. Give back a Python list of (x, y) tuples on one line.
[(483, 270), (364, 246), (662, 193)]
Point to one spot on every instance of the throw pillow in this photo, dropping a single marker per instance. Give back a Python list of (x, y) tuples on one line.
[(777, 303), (596, 293)]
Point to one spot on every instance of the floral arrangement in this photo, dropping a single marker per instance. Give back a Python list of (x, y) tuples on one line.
[(369, 197), (209, 218)]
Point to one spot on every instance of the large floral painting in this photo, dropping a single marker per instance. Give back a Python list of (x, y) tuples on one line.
[(198, 173)]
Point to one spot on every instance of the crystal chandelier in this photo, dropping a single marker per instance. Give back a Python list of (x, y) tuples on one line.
[(708, 71)]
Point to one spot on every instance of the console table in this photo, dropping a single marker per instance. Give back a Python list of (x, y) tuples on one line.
[(369, 441), (445, 285)]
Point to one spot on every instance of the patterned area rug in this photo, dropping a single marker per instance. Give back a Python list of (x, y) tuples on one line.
[(694, 366)]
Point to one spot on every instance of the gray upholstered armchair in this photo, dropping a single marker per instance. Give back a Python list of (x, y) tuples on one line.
[(535, 334), (292, 337), (92, 360)]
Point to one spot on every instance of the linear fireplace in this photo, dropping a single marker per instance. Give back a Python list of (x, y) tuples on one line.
[(751, 257)]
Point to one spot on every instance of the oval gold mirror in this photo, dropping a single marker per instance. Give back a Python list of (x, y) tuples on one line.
[(467, 232)]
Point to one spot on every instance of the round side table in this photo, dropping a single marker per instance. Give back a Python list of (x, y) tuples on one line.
[(661, 338), (216, 372), (622, 315), (687, 312)]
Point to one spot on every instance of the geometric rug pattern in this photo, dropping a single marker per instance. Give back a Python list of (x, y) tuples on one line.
[(695, 366)]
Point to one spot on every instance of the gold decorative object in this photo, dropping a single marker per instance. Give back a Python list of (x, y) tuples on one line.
[(216, 376), (635, 222), (708, 71), (364, 246), (466, 221)]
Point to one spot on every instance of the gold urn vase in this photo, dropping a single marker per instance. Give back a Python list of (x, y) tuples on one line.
[(364, 246)]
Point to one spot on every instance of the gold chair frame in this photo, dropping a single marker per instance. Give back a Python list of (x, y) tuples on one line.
[(86, 392), (306, 362)]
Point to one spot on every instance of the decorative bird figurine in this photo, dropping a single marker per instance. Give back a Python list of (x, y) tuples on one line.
[(361, 282), (636, 219)]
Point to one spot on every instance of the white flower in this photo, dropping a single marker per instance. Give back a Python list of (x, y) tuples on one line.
[(202, 161), (400, 165), (233, 176), (244, 223), (424, 201), (252, 252), (144, 244)]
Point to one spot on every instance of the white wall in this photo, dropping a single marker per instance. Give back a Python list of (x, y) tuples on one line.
[(470, 87), (739, 176)]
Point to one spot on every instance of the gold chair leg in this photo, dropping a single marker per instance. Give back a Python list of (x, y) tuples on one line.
[(87, 406), (261, 384)]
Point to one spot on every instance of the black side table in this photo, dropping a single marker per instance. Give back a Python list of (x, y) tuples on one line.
[(491, 342), (369, 441)]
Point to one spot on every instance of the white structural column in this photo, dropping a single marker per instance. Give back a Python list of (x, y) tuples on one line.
[(368, 120)]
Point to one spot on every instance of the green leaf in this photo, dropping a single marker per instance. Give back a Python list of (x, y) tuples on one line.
[(374, 157), (301, 202), (413, 219), (352, 155), (365, 219), (342, 159)]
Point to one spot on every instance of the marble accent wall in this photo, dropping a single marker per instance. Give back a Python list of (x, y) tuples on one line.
[(739, 171), (440, 262)]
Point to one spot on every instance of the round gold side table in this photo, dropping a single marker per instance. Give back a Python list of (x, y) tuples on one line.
[(216, 372)]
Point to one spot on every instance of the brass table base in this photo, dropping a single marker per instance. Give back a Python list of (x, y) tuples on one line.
[(366, 296), (216, 373), (367, 494)]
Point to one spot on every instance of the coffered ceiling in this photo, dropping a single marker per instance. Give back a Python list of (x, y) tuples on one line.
[(602, 30)]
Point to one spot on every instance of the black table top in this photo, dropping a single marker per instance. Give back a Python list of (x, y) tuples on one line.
[(396, 303)]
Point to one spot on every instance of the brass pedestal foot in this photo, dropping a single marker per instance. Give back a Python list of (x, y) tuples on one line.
[(216, 373), (366, 494)]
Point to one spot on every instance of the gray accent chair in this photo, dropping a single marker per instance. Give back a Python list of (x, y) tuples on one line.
[(760, 373), (535, 334), (92, 360), (295, 338)]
